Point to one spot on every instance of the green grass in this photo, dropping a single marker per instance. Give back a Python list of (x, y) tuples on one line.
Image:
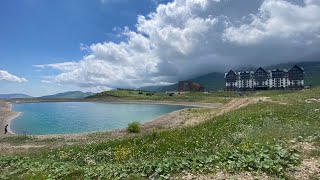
[(212, 97), (29, 139), (269, 93), (252, 138), (16, 139)]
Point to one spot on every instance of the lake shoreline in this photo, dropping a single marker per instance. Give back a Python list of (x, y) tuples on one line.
[(122, 101), (148, 124), (7, 115)]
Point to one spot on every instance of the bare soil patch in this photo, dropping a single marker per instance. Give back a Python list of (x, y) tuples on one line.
[(310, 165), (222, 175)]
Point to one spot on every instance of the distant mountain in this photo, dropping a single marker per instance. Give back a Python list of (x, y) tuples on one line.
[(215, 80), (211, 82), (172, 87), (69, 95), (14, 96), (151, 88)]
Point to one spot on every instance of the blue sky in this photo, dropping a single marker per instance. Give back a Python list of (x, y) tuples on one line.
[(45, 32), (54, 46)]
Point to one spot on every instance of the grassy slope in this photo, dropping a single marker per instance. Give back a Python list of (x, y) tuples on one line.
[(228, 141), (68, 95), (12, 96), (214, 97), (312, 76), (210, 82)]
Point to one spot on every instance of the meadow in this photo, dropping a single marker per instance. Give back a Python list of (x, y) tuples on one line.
[(212, 97), (256, 138)]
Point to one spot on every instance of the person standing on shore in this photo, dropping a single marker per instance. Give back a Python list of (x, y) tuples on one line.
[(6, 129)]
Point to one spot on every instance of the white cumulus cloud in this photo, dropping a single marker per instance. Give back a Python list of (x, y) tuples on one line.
[(279, 19), (6, 76), (186, 38)]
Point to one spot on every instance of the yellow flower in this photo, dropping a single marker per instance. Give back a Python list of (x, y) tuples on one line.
[(121, 153)]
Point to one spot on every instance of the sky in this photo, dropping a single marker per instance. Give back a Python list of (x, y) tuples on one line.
[(48, 47)]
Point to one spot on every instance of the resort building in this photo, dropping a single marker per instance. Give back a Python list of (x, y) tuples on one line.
[(264, 80), (186, 86)]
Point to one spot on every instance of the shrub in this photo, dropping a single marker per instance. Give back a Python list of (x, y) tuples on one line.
[(134, 127)]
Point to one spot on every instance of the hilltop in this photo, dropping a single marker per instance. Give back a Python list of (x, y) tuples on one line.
[(14, 96), (211, 82), (69, 95), (138, 95)]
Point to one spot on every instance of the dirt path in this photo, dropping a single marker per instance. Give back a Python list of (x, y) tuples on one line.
[(190, 117), (310, 165)]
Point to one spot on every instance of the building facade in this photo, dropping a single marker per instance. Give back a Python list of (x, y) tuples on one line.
[(185, 86), (264, 80)]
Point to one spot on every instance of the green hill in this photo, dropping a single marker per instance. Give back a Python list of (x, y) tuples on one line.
[(211, 82), (14, 96), (69, 95)]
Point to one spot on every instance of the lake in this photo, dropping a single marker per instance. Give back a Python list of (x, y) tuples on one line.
[(77, 117)]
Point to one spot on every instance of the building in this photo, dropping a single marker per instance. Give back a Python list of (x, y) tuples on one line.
[(260, 79), (296, 78), (264, 80), (231, 80), (185, 86)]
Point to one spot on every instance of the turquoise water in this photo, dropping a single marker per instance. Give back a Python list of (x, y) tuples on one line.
[(76, 117)]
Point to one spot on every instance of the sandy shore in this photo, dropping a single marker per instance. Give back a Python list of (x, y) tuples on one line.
[(122, 101), (6, 115), (190, 104)]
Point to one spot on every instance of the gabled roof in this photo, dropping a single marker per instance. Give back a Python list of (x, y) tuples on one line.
[(277, 70), (296, 66), (260, 68), (231, 71)]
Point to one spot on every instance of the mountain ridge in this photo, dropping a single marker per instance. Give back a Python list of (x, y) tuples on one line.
[(68, 95), (14, 96)]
